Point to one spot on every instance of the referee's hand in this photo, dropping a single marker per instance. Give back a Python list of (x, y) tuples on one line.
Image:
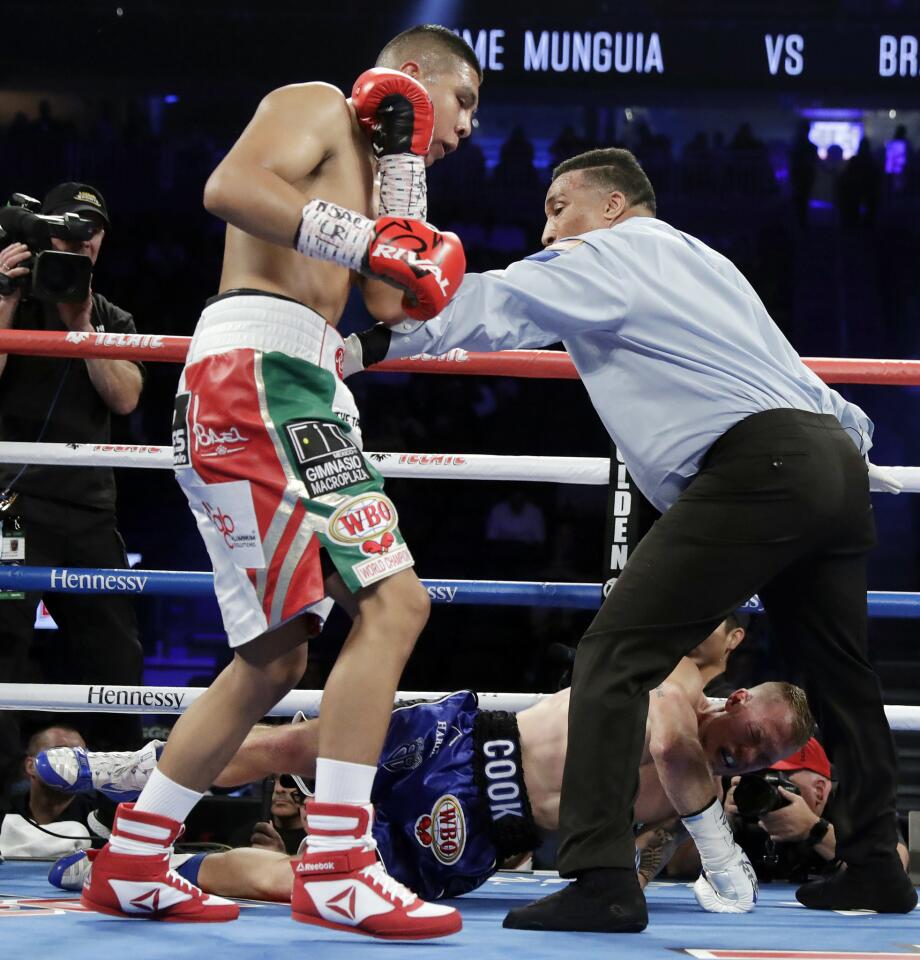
[(882, 480)]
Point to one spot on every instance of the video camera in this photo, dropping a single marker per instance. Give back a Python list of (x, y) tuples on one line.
[(55, 276), (758, 793)]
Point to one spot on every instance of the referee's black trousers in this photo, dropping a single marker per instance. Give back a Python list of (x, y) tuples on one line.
[(780, 506)]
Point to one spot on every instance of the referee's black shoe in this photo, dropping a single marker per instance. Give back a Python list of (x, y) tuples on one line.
[(604, 900), (881, 886)]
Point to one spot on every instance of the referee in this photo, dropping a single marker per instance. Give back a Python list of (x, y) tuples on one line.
[(758, 468)]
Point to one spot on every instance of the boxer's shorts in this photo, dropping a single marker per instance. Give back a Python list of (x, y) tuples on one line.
[(267, 448)]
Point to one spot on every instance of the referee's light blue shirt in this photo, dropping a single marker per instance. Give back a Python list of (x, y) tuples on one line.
[(672, 343)]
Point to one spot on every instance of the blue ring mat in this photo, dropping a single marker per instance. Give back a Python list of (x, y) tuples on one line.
[(36, 916)]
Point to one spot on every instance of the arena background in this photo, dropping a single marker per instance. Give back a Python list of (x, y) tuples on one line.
[(142, 98)]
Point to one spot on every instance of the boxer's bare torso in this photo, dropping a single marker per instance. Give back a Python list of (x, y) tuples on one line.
[(308, 135), (544, 737)]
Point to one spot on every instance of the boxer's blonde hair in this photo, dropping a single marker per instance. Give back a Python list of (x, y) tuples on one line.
[(802, 723)]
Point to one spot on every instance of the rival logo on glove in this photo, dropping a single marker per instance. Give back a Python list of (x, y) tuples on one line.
[(418, 265)]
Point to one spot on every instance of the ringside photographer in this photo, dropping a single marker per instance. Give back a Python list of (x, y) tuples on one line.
[(64, 515), (783, 817)]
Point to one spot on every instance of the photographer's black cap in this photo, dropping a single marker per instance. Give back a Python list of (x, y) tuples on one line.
[(75, 198)]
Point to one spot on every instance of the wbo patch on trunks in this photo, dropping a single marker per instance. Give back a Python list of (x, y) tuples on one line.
[(328, 460), (443, 831), (368, 521)]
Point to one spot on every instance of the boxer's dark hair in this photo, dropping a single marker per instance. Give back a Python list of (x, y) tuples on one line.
[(614, 169), (416, 41)]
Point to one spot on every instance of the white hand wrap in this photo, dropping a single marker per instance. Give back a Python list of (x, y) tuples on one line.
[(330, 232), (403, 187), (728, 883)]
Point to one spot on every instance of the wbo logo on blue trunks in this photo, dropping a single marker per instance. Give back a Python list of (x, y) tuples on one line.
[(443, 831)]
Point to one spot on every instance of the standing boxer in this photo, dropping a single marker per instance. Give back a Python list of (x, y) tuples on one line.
[(268, 450), (758, 468)]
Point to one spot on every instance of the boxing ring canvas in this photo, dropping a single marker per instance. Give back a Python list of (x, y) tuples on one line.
[(36, 919)]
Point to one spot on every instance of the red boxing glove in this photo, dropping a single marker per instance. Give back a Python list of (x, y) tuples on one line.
[(427, 264), (394, 110)]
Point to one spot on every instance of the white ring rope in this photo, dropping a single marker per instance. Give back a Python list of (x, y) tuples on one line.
[(441, 466), (447, 466), (106, 698)]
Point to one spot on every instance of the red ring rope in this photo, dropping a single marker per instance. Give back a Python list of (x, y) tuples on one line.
[(539, 364)]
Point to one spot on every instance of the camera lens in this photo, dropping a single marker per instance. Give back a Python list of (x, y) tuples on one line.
[(754, 796), (758, 793), (57, 275), (61, 277)]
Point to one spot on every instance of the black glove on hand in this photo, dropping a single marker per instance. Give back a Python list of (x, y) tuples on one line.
[(364, 349)]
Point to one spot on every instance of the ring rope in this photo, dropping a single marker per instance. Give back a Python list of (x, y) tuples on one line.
[(446, 466), (110, 698), (884, 604), (542, 364), (440, 466), (106, 698), (539, 364)]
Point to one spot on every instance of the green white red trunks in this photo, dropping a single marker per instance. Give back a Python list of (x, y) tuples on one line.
[(267, 447)]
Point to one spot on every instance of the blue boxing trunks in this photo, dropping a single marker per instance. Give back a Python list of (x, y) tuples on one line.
[(450, 797)]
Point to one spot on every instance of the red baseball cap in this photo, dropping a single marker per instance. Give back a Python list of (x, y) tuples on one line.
[(809, 757)]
